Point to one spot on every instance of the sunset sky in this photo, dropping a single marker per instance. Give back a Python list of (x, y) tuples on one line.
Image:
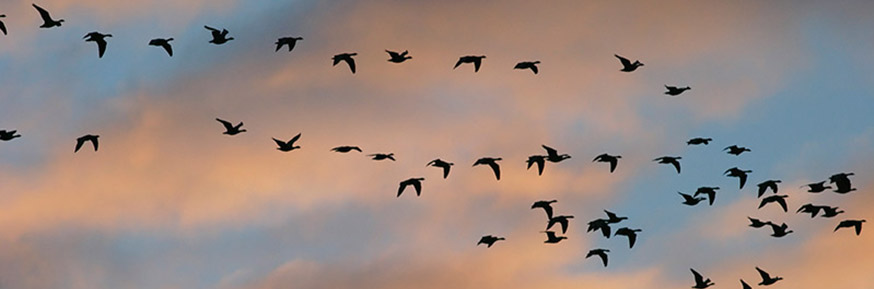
[(170, 202)]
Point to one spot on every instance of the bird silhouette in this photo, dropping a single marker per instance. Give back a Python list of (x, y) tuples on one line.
[(546, 205), (347, 57), (218, 37), (690, 200), (769, 184), (441, 164), (630, 233), (766, 278), (605, 158), (492, 162), (346, 149), (745, 285), (231, 129), (164, 43), (779, 231), (709, 191), (670, 160), (415, 182), (736, 150), (489, 240), (3, 25), (600, 224), (98, 38), (289, 145), (398, 57), (738, 173), (379, 157), (600, 253), (700, 282), (48, 22), (551, 238), (842, 183), (817, 187), (857, 224), (527, 65), (476, 60), (756, 223), (779, 199), (553, 156), (627, 66), (85, 138), (8, 135), (674, 91), (290, 41), (830, 212), (612, 218), (539, 160), (811, 209), (699, 141), (563, 220)]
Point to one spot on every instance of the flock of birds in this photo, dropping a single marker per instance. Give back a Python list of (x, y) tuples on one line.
[(841, 181)]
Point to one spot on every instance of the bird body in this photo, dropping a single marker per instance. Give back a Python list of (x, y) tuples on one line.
[(736, 150), (476, 60), (398, 57), (817, 187), (700, 282), (346, 57), (627, 65), (100, 39), (766, 278), (612, 218), (670, 160), (289, 41), (605, 158), (379, 157), (163, 43), (738, 173), (48, 22), (86, 138), (551, 238), (856, 224), (8, 135), (346, 149), (830, 212), (231, 129), (699, 140), (491, 162), (779, 231), (489, 240), (674, 91), (756, 223), (287, 146), (218, 37), (552, 155), (842, 183), (441, 164), (415, 182), (528, 65)]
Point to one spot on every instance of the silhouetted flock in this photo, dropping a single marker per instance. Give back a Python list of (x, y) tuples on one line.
[(841, 181)]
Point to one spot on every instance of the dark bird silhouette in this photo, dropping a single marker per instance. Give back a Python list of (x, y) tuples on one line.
[(289, 145), (346, 149), (492, 162), (842, 183), (553, 156), (489, 240), (546, 205), (769, 184), (605, 158), (738, 173), (347, 57), (817, 187), (8, 135), (231, 129), (379, 157), (780, 231), (600, 224), (48, 22), (415, 182), (600, 253), (398, 57), (164, 43), (563, 220), (612, 218), (830, 212), (670, 160), (539, 160), (290, 41), (809, 209), (218, 37), (476, 60), (709, 191), (88, 137), (551, 238), (690, 200), (441, 164), (756, 223), (674, 91), (736, 150), (627, 66), (699, 140), (527, 65), (766, 278), (630, 233), (780, 199), (745, 285), (3, 25), (700, 282), (98, 38), (857, 224)]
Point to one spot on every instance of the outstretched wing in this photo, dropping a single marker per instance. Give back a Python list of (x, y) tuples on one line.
[(280, 143), (101, 47), (294, 139), (79, 143), (676, 164), (228, 126), (550, 151), (497, 169), (625, 61), (476, 64), (351, 63), (43, 13)]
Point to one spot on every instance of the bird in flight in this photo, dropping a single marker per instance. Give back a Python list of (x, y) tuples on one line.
[(553, 156), (546, 205), (690, 200), (48, 22), (290, 41), (779, 231), (627, 65), (738, 173), (2, 25), (857, 224), (86, 138), (491, 162), (766, 278), (842, 183), (736, 150), (163, 43), (551, 238), (287, 146), (630, 233), (700, 282), (539, 160), (600, 224), (612, 218), (100, 39), (817, 187), (563, 220), (674, 91), (769, 184), (347, 57), (600, 253), (398, 57), (779, 199), (441, 164), (415, 182), (830, 212), (811, 209), (605, 158), (709, 191), (670, 160), (346, 149), (489, 240), (218, 37), (8, 135), (379, 157), (756, 223), (476, 60), (699, 141), (527, 65), (231, 129)]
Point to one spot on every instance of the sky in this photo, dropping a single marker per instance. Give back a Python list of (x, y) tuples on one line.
[(170, 202)]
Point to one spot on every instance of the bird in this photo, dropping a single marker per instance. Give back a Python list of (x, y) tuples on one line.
[(563, 220), (766, 278), (290, 41), (2, 25), (600, 224), (165, 43), (763, 186), (231, 129), (817, 187), (600, 253), (8, 135), (630, 233), (857, 224), (627, 66), (492, 162), (612, 218), (736, 150), (779, 231), (476, 60), (709, 191), (489, 240), (289, 145), (699, 140), (379, 157), (551, 238), (98, 38), (527, 65), (88, 137), (346, 149), (605, 158), (670, 160), (738, 173), (347, 57), (415, 182), (218, 37), (745, 285), (674, 91), (48, 22), (830, 212), (756, 223), (810, 209), (780, 199), (553, 156), (441, 164), (398, 57), (690, 200), (546, 205), (539, 160), (700, 282), (842, 183)]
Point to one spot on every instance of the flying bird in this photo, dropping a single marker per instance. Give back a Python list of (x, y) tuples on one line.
[(539, 160), (736, 150), (441, 164), (780, 231), (809, 209), (347, 57), (627, 66), (830, 212), (766, 278), (745, 285), (857, 224), (674, 91), (489, 240), (690, 200), (346, 149), (670, 160), (86, 138), (700, 282), (98, 38), (492, 162), (779, 199), (527, 65), (48, 22), (738, 173), (553, 156), (164, 43), (563, 220), (551, 238), (379, 157), (8, 135), (817, 187), (709, 191), (290, 41), (630, 233), (231, 129), (605, 158), (756, 223), (612, 218), (289, 145), (398, 57), (699, 141), (546, 205), (600, 253), (218, 37), (415, 182), (842, 183), (769, 184), (600, 224), (2, 25), (476, 60)]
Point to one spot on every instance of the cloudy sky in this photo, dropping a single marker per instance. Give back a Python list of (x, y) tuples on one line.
[(170, 202)]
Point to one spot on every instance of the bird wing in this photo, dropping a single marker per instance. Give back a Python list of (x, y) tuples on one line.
[(211, 29), (550, 151), (631, 239), (605, 229), (43, 14), (603, 257), (393, 54), (782, 202), (279, 45), (698, 277), (563, 222), (497, 169), (676, 165), (224, 32), (765, 275), (79, 143), (401, 188), (351, 63), (228, 125), (688, 198), (745, 285), (743, 180), (613, 164), (168, 48), (460, 61), (280, 143), (446, 171), (3, 27), (550, 235), (548, 210), (101, 47), (476, 64), (534, 68), (294, 139), (711, 195), (625, 61), (540, 164), (762, 188), (858, 226), (418, 186), (95, 143)]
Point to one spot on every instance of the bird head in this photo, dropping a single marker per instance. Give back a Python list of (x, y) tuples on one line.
[(297, 38), (536, 62), (500, 238)]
